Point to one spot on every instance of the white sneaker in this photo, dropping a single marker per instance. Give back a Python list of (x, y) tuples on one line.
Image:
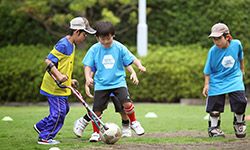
[(136, 126), (126, 131), (79, 126), (95, 137)]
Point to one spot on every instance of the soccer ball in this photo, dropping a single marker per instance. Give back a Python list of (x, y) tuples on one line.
[(112, 134)]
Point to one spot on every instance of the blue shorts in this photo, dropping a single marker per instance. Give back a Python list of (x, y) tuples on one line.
[(238, 102)]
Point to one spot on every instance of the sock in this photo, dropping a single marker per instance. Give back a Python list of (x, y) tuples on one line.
[(86, 117), (95, 128), (214, 121), (239, 118), (125, 122), (130, 112)]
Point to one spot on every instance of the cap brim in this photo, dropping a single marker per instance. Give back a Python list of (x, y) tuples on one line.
[(215, 34), (90, 30)]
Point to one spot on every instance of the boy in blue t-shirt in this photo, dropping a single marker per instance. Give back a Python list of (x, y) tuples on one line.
[(81, 123), (108, 56), (60, 62), (224, 73)]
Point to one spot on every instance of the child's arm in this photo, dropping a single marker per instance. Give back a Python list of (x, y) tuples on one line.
[(242, 67), (87, 90), (54, 70), (206, 87), (133, 74), (89, 79), (139, 65)]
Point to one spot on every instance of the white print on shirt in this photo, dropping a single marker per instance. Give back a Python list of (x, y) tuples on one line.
[(228, 61), (108, 61)]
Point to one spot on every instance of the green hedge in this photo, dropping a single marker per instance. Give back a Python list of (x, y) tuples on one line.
[(22, 69), (173, 72)]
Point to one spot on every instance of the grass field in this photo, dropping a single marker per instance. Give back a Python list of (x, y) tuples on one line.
[(173, 118)]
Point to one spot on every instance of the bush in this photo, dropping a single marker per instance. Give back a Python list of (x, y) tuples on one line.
[(22, 70), (173, 72)]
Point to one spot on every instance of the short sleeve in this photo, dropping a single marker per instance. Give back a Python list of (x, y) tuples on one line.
[(52, 58), (240, 52), (207, 70), (128, 57), (89, 58)]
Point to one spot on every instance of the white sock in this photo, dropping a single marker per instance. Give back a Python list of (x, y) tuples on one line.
[(214, 121), (239, 118)]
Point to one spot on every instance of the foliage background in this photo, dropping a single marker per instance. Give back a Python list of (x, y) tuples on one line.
[(177, 35)]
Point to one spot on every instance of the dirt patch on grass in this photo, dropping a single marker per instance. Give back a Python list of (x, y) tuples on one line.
[(240, 144)]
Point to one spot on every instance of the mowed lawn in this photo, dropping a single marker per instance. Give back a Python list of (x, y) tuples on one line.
[(19, 133)]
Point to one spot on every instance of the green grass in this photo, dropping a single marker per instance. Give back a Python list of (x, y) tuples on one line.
[(19, 133)]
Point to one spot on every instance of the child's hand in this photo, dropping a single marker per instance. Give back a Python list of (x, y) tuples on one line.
[(88, 91), (142, 69), (63, 78), (134, 78), (205, 90), (89, 82), (74, 82)]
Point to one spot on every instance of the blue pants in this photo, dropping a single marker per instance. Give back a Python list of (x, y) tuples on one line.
[(49, 126)]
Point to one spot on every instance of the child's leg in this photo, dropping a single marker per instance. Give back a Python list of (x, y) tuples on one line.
[(123, 95), (119, 108), (101, 99), (129, 109), (215, 105), (126, 130), (238, 104), (41, 124), (58, 109), (95, 128)]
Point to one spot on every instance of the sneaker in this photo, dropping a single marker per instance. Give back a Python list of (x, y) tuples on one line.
[(79, 126), (240, 129), (215, 132), (48, 142), (95, 137), (126, 131), (136, 126), (36, 129)]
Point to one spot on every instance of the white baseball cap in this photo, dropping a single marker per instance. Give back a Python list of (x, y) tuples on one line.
[(218, 29), (82, 24)]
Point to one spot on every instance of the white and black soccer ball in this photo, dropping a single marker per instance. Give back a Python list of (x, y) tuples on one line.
[(112, 134)]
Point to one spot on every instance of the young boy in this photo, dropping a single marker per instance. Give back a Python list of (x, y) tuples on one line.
[(108, 57), (60, 62), (81, 123), (224, 72)]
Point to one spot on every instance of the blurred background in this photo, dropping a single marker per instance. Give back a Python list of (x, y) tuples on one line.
[(177, 43)]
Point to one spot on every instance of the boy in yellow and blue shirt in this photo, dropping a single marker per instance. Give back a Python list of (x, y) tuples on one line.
[(60, 61)]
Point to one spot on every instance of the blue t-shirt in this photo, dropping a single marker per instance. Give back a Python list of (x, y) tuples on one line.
[(93, 69), (223, 66), (65, 47), (109, 62)]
